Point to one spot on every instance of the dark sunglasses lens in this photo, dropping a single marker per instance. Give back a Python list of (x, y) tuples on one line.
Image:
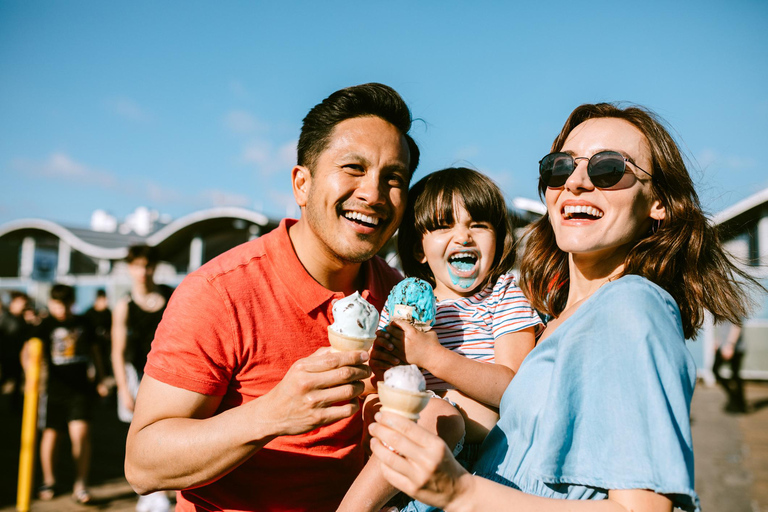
[(606, 169), (555, 169)]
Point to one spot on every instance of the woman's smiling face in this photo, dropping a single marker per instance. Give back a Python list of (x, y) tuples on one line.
[(604, 223)]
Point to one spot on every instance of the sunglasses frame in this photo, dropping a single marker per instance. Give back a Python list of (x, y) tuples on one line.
[(574, 164)]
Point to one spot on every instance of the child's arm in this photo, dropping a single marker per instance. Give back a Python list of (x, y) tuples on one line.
[(510, 349), (480, 381)]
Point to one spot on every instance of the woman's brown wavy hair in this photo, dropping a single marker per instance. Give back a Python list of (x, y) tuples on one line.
[(683, 254)]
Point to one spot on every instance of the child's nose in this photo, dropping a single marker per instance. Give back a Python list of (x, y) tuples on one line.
[(464, 237)]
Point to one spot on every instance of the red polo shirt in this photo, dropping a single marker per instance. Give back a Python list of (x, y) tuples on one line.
[(233, 328)]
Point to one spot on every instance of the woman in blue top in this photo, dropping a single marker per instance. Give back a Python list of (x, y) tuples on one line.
[(625, 263)]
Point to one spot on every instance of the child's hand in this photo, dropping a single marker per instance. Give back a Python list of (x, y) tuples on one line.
[(415, 346), (384, 354)]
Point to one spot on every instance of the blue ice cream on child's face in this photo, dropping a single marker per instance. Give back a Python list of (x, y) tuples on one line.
[(460, 255), (416, 294), (463, 269)]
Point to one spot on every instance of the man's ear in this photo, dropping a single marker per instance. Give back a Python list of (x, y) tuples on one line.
[(301, 181)]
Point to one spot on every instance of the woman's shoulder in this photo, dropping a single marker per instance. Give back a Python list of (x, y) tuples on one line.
[(628, 315), (636, 295)]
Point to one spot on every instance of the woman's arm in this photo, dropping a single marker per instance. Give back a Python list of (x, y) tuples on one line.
[(420, 464)]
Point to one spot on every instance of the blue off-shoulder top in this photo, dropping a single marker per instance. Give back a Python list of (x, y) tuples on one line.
[(602, 403)]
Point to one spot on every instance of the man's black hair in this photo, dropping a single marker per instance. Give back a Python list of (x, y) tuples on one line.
[(364, 100)]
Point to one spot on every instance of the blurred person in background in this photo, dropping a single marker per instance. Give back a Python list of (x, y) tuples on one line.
[(69, 348), (100, 317), (731, 352), (134, 322), (14, 331)]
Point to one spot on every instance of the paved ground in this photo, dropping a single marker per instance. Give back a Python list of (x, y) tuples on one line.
[(731, 457)]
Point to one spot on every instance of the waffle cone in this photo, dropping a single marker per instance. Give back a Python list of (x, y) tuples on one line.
[(404, 312), (341, 343), (402, 402)]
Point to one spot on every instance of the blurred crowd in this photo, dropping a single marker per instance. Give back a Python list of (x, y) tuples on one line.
[(88, 358)]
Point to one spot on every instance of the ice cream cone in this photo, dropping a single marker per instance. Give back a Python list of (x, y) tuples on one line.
[(341, 343), (403, 402), (405, 312)]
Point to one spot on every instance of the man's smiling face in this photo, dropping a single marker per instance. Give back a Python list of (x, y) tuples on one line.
[(357, 188)]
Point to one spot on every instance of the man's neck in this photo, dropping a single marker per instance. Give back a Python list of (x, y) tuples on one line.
[(325, 267)]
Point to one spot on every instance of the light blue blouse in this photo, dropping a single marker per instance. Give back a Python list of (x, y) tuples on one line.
[(602, 403)]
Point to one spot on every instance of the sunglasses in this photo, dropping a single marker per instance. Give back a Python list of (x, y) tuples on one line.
[(605, 169)]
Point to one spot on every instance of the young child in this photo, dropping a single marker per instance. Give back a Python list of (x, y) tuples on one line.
[(457, 236), (68, 350)]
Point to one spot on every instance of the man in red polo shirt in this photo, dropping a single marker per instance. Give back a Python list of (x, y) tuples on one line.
[(242, 405)]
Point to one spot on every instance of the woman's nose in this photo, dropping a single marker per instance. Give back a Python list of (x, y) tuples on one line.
[(579, 178)]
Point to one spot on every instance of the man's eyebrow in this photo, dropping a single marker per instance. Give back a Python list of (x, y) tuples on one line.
[(397, 167), (356, 157)]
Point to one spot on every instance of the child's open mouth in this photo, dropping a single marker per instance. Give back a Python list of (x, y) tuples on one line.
[(463, 263)]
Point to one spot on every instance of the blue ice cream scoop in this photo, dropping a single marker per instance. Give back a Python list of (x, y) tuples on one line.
[(413, 299)]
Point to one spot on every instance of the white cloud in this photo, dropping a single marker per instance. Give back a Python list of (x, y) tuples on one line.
[(128, 109), (213, 197), (709, 158), (238, 90), (242, 122), (62, 166), (267, 159), (160, 194)]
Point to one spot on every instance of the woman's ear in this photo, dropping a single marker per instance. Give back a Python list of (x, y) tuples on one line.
[(658, 211)]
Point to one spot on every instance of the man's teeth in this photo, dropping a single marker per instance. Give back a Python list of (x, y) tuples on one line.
[(569, 211), (362, 218)]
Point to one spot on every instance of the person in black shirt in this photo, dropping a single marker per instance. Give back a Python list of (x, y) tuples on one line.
[(100, 317), (68, 350), (134, 322), (14, 331)]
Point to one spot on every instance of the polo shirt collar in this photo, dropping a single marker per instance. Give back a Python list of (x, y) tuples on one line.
[(308, 293)]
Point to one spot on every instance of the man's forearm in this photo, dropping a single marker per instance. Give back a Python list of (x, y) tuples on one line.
[(179, 453)]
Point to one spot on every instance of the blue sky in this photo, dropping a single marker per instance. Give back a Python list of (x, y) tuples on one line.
[(179, 106)]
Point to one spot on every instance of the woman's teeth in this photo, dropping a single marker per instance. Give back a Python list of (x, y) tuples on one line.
[(362, 218), (570, 211)]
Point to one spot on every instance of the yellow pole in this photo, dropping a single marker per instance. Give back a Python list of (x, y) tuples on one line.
[(29, 424)]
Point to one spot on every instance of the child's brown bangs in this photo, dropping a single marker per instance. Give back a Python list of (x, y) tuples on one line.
[(435, 205)]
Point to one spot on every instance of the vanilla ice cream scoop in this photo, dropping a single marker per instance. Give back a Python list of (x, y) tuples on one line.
[(403, 391), (407, 377), (413, 300), (354, 324)]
